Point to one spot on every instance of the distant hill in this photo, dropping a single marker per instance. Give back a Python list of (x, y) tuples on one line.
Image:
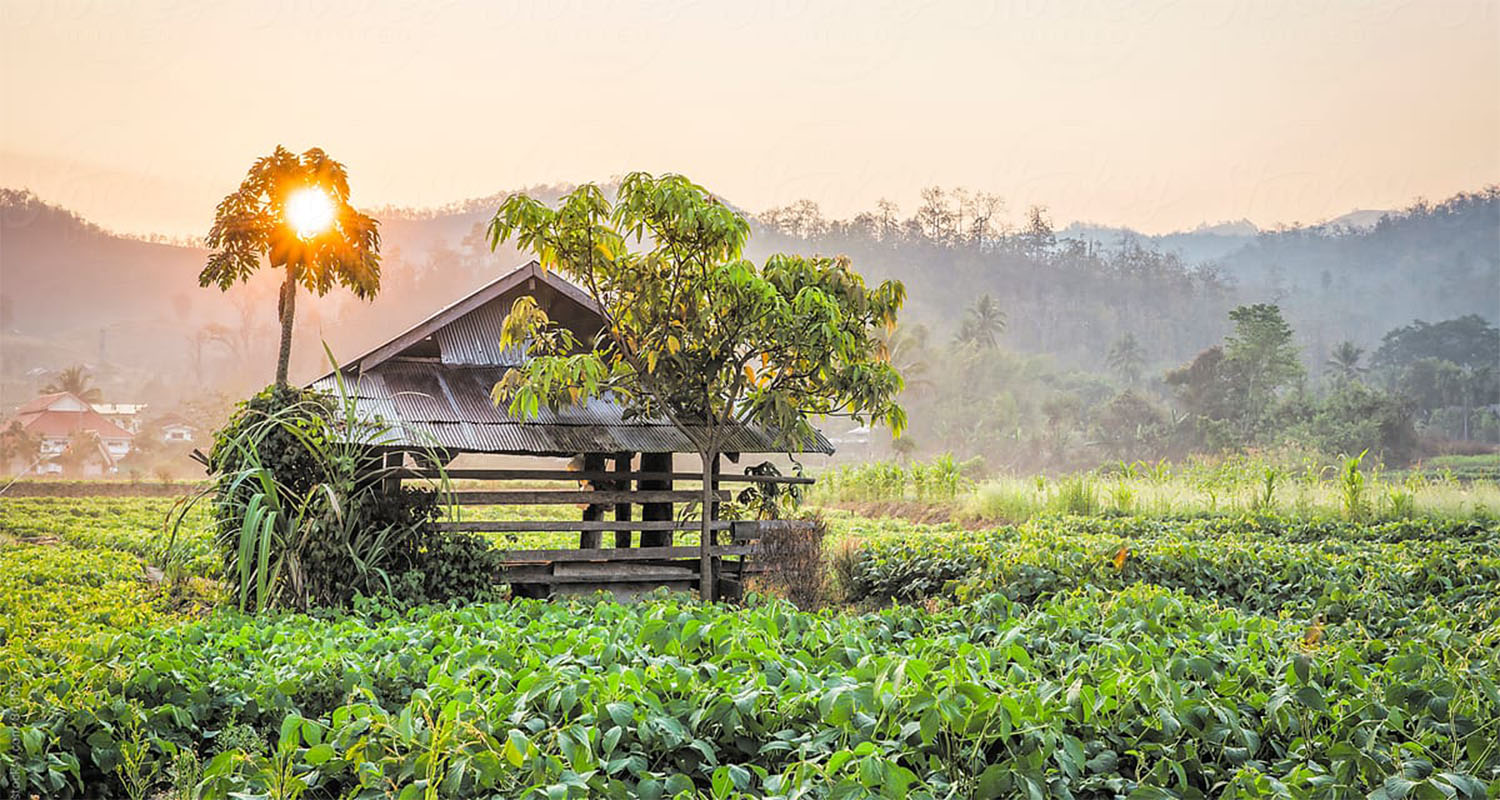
[(1203, 243), (1357, 279), (132, 308)]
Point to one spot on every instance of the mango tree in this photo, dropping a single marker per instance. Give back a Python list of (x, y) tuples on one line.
[(694, 332)]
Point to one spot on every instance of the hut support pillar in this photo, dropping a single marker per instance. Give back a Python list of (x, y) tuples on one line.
[(622, 510), (656, 512), (592, 540), (392, 461)]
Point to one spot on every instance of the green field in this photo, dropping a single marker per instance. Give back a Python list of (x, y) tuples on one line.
[(1452, 487), (1143, 655)]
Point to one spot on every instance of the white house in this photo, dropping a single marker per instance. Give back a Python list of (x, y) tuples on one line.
[(126, 415), (62, 420)]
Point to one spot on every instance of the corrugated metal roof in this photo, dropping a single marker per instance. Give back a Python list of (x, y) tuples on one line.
[(438, 405), (474, 339), (445, 402)]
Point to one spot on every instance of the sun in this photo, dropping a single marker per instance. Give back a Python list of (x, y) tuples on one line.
[(309, 211)]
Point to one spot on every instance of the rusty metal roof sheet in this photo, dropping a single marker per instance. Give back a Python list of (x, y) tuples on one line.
[(449, 407), (474, 339)]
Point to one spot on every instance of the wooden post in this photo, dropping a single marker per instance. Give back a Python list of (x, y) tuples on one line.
[(392, 461), (656, 512), (592, 540), (622, 510)]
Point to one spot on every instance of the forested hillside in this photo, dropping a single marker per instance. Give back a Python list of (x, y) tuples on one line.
[(1017, 340)]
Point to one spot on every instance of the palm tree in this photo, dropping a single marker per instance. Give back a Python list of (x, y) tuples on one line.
[(983, 323), (1127, 358), (906, 350), (75, 380), (1344, 361), (294, 211), (17, 445)]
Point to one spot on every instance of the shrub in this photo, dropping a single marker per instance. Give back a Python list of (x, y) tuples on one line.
[(843, 564), (908, 571), (796, 566), (302, 516), (453, 566)]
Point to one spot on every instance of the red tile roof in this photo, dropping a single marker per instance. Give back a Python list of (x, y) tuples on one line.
[(38, 419)]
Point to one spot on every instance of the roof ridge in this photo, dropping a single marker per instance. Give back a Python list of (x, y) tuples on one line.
[(460, 308)]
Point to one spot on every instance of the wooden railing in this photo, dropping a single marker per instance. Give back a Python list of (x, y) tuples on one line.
[(623, 567), (592, 475)]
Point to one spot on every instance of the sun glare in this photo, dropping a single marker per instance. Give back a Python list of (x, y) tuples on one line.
[(309, 211)]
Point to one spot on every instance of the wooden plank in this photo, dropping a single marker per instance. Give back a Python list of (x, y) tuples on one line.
[(544, 497), (570, 555), (590, 475), (752, 530), (550, 525), (664, 575)]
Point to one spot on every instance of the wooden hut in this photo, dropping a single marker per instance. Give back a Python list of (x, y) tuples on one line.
[(433, 383)]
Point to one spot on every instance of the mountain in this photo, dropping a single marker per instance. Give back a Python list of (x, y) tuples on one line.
[(1203, 243), (1360, 219)]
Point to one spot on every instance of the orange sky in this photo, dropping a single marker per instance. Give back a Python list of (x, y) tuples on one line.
[(1155, 115)]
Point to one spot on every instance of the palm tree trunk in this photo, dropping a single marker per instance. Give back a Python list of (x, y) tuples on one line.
[(288, 309)]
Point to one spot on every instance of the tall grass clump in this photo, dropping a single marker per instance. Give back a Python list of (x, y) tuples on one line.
[(1004, 500), (940, 480), (1352, 488), (1076, 495)]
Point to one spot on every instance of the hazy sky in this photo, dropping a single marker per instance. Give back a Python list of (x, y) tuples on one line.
[(1156, 115)]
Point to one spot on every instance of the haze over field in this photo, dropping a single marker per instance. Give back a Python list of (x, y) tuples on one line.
[(1107, 176), (1158, 116)]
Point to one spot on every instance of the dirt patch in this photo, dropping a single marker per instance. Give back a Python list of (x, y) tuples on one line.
[(98, 489), (900, 509)]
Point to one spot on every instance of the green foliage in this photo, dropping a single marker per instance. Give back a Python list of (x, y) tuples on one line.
[(129, 524), (1140, 656), (1354, 417), (1278, 482), (1371, 578), (1468, 341), (697, 333), (770, 500), (1076, 495), (1096, 693), (452, 566)]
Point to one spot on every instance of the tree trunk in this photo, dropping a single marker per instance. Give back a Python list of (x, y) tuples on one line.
[(288, 314), (705, 558)]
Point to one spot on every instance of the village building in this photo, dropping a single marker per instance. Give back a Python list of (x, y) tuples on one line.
[(126, 415), (71, 435), (174, 429)]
